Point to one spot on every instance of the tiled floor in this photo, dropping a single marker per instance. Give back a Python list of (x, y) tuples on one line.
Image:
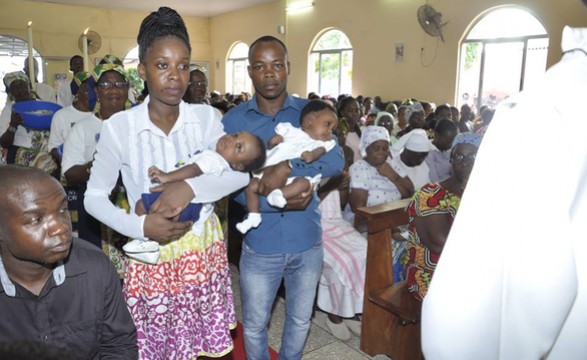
[(321, 345)]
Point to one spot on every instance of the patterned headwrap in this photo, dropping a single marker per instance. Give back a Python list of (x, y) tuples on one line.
[(370, 135), (12, 77), (102, 68), (381, 114), (111, 59), (81, 76), (98, 71), (412, 108), (87, 77), (467, 138)]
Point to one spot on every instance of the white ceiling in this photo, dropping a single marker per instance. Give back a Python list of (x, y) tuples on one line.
[(201, 8)]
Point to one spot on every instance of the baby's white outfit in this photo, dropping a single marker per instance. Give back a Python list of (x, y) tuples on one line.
[(210, 163), (295, 142)]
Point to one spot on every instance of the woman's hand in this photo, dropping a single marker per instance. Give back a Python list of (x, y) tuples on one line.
[(174, 198), (140, 208), (403, 184), (160, 228), (386, 170), (15, 119)]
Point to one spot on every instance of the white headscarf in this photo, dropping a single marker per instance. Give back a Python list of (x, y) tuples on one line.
[(370, 135), (412, 108), (416, 140)]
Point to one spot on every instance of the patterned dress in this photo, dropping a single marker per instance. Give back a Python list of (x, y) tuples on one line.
[(420, 262), (182, 306)]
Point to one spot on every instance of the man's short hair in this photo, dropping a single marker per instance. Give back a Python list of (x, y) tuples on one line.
[(264, 39)]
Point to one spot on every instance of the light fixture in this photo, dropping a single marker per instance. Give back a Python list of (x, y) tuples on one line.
[(299, 5)]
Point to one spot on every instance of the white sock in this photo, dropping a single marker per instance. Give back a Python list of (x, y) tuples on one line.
[(276, 198), (252, 221)]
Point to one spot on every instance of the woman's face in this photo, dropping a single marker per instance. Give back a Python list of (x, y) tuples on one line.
[(463, 159), (112, 91), (20, 90), (352, 113), (82, 98), (401, 117), (377, 152), (417, 120), (166, 70), (368, 104), (386, 122)]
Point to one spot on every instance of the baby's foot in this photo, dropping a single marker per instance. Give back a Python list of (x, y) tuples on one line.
[(252, 221), (276, 198)]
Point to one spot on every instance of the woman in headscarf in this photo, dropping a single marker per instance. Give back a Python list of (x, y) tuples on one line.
[(373, 180), (416, 120), (432, 212), (107, 94), (24, 146), (65, 118), (387, 120)]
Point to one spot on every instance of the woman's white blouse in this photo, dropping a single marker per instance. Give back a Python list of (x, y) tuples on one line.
[(381, 189), (131, 143)]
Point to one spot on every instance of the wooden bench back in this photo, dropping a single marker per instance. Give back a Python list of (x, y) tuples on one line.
[(391, 316)]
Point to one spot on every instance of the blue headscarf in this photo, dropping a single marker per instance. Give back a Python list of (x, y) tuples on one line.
[(467, 138)]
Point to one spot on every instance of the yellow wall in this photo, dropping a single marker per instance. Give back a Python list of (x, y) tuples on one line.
[(373, 26), (242, 26)]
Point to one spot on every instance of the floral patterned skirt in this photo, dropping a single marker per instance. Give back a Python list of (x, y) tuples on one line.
[(183, 306)]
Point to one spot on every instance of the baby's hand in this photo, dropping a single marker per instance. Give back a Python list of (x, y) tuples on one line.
[(157, 176), (139, 208), (307, 157), (274, 141)]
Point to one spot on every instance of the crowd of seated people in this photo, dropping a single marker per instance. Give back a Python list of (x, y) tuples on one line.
[(406, 149)]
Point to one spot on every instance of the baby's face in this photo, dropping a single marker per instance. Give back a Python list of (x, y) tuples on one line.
[(320, 124), (238, 148)]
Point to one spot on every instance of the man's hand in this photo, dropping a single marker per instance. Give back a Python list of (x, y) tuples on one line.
[(299, 202), (174, 198), (274, 177)]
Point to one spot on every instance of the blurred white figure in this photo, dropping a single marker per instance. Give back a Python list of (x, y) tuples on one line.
[(512, 279)]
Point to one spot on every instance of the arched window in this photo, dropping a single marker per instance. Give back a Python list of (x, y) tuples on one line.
[(237, 76), (503, 53), (13, 52), (331, 64), (131, 62)]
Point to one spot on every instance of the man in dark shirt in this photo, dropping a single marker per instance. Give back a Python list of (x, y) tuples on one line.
[(56, 289)]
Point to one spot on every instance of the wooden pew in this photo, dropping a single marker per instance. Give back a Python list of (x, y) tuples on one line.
[(391, 316)]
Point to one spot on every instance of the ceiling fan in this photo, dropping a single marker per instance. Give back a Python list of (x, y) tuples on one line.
[(94, 42), (431, 21)]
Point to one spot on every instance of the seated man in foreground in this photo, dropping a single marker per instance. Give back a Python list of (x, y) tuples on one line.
[(55, 288)]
